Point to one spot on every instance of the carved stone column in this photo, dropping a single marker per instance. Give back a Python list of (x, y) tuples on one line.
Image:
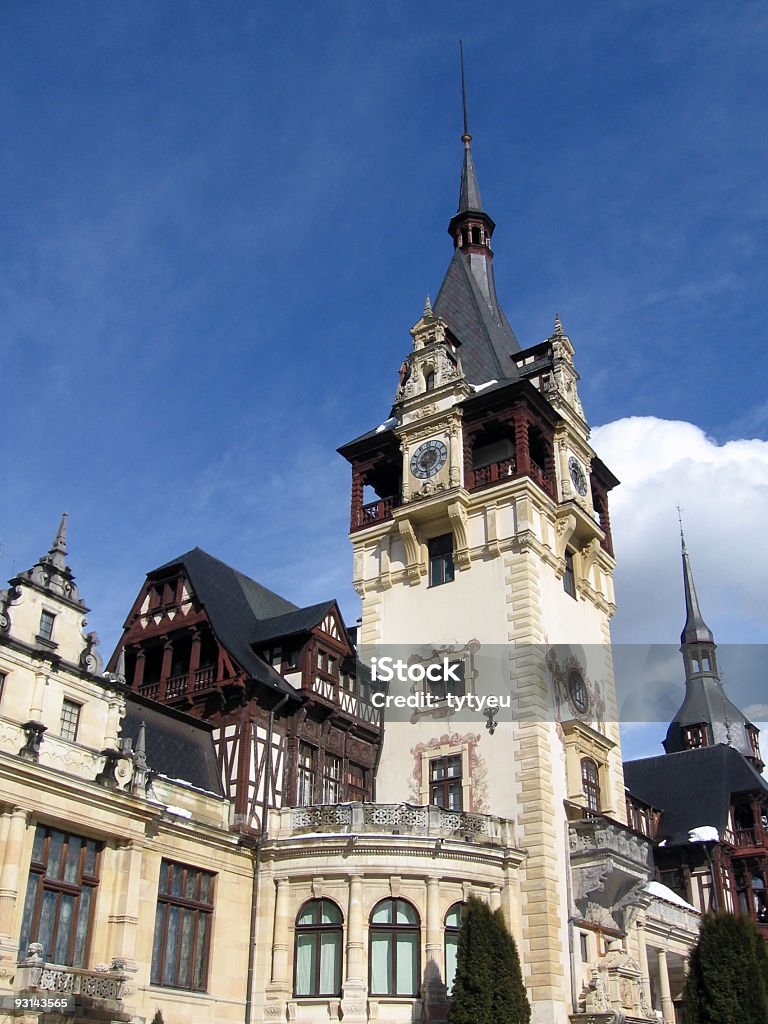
[(353, 1003), (645, 975), (454, 472), (281, 935), (9, 875), (667, 1006), (125, 917), (435, 1001)]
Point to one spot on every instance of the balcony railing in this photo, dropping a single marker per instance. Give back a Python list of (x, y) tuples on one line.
[(747, 838), (374, 512), (101, 989), (506, 469), (486, 476), (393, 819)]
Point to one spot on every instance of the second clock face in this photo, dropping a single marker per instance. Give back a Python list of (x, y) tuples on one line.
[(578, 476), (428, 459)]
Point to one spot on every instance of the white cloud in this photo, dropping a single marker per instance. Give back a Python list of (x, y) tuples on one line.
[(723, 490)]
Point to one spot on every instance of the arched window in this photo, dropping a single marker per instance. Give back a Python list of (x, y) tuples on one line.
[(394, 949), (429, 380), (590, 783), (452, 929), (318, 949)]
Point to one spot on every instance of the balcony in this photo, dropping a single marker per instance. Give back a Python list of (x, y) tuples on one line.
[(506, 469), (374, 512), (180, 684), (98, 994), (746, 840), (608, 863), (392, 819)]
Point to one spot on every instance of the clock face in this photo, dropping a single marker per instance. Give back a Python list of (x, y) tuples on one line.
[(577, 474), (577, 691), (428, 459)]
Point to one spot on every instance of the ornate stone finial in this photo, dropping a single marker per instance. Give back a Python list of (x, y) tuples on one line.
[(140, 753), (58, 554), (428, 308), (558, 326), (120, 667)]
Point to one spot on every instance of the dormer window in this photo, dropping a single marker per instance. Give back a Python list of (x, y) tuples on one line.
[(695, 736), (429, 380), (47, 620)]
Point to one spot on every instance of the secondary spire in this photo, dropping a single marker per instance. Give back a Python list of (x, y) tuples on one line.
[(695, 630)]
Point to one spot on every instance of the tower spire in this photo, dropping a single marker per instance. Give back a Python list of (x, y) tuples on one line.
[(695, 630), (58, 553), (469, 194)]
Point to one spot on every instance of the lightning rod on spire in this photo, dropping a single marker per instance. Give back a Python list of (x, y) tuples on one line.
[(466, 138)]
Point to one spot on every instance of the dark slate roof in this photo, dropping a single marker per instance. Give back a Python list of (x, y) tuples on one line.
[(692, 787), (235, 604), (469, 192), (300, 621), (705, 702), (178, 746), (485, 336)]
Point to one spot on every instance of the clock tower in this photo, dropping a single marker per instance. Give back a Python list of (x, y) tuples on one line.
[(482, 544)]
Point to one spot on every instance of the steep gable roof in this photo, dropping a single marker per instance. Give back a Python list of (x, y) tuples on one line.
[(486, 339), (235, 605), (692, 787)]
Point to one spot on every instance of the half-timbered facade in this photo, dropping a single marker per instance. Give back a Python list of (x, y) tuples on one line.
[(293, 721), (705, 798)]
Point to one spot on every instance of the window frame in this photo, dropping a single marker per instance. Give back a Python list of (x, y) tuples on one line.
[(569, 575), (69, 724), (46, 626), (451, 931), (590, 784), (392, 931), (305, 774), (333, 778), (39, 883), (167, 901), (442, 568), (316, 931), (447, 782)]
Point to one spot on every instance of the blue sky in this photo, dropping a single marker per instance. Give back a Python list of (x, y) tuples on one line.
[(220, 220)]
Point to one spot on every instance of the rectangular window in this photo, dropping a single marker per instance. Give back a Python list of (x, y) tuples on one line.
[(58, 908), (47, 620), (569, 579), (440, 560), (2, 683), (445, 782), (331, 779), (305, 775), (450, 683), (356, 782), (182, 927), (70, 720)]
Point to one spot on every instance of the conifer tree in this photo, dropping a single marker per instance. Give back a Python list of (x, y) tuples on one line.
[(488, 986), (728, 973)]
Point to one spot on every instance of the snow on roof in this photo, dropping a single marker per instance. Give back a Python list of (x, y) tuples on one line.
[(391, 422), (704, 834), (486, 384), (662, 892)]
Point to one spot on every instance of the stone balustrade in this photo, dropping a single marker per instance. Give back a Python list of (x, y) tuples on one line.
[(391, 819)]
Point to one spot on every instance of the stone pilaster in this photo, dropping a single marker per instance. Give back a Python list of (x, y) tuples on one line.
[(354, 990)]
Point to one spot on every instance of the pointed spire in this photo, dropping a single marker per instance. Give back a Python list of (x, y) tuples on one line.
[(428, 308), (695, 631), (58, 553), (558, 326), (469, 193)]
